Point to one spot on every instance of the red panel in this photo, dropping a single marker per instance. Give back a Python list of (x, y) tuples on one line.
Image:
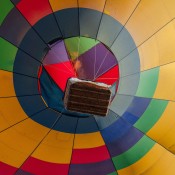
[(39, 167), (92, 155), (39, 75), (34, 10), (60, 73), (110, 77), (7, 169)]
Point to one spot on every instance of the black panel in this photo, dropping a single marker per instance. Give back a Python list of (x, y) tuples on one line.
[(89, 22), (68, 22), (25, 85), (48, 28), (14, 27), (24, 64)]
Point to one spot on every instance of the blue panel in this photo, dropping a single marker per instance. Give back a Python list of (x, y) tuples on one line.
[(33, 45), (48, 28), (104, 122), (132, 81), (138, 106), (130, 117), (66, 124), (130, 65), (120, 104), (53, 95), (115, 131), (121, 145), (89, 18), (68, 22), (32, 104), (47, 118), (87, 125), (123, 45), (120, 136), (109, 29), (25, 85), (51, 92), (24, 64)]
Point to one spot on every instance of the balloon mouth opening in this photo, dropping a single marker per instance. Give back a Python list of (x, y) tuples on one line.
[(77, 57)]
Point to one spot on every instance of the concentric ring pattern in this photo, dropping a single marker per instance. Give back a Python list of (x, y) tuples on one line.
[(37, 137)]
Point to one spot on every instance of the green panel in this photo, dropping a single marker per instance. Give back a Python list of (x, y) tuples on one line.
[(7, 55), (5, 8), (148, 83), (78, 45), (133, 154), (151, 115), (114, 173)]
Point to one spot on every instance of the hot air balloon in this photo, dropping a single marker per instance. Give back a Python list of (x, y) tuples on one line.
[(128, 45)]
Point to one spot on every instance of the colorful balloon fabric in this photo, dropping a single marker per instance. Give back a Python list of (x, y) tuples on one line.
[(129, 45)]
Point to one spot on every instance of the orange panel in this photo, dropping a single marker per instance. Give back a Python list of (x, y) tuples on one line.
[(10, 112), (63, 4), (6, 84), (96, 5)]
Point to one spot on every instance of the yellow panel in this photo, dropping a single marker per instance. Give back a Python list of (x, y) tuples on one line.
[(149, 17), (120, 9), (166, 44), (163, 131), (144, 163), (88, 140), (165, 165), (10, 156), (62, 4), (150, 164), (159, 49), (169, 5), (56, 148), (96, 5), (18, 142), (149, 55), (10, 112), (166, 83), (6, 84)]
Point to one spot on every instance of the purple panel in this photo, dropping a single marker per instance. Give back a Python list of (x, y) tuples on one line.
[(57, 54), (95, 62), (14, 27), (100, 168), (138, 106), (120, 136), (109, 62), (84, 65), (22, 172), (119, 146), (105, 60)]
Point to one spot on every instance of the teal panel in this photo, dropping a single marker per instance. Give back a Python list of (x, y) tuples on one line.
[(151, 115), (148, 83), (133, 154)]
